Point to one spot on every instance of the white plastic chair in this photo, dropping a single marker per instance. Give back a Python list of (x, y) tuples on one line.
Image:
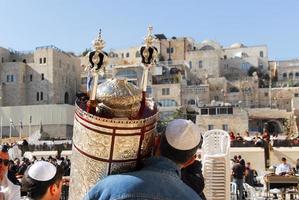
[(251, 193), (216, 165), (233, 191)]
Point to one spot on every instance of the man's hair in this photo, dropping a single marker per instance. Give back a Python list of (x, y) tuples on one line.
[(176, 155), (37, 189), (283, 159), (4, 148)]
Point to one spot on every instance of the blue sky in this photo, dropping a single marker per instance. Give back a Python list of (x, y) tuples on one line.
[(72, 24)]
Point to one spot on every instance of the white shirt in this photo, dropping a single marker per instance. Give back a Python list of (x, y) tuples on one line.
[(9, 190), (283, 168)]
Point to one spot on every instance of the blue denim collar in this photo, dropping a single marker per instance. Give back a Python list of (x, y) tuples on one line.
[(163, 165)]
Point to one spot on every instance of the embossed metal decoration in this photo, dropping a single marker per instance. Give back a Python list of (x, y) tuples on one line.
[(116, 133), (119, 97), (103, 146)]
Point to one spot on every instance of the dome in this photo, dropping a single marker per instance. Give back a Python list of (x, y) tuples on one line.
[(209, 45), (237, 45)]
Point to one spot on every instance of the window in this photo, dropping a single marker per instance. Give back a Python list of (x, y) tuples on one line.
[(11, 78), (137, 54), (261, 54), (296, 95), (291, 75), (212, 111), (41, 96), (204, 111), (225, 57), (222, 111), (266, 94), (40, 61), (45, 59), (284, 75), (43, 77), (2, 60), (165, 91), (30, 77), (210, 127), (190, 64), (200, 64), (37, 96), (127, 55), (297, 74), (225, 127), (130, 74), (7, 78), (167, 103), (170, 50)]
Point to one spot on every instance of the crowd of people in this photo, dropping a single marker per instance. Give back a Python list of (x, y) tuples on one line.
[(175, 164), (259, 140), (14, 173), (243, 172)]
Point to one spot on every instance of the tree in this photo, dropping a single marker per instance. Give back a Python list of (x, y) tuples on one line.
[(86, 51)]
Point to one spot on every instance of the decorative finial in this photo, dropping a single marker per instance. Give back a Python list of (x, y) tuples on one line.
[(99, 43), (149, 39)]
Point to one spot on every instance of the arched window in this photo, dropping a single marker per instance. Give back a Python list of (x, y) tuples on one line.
[(297, 74), (127, 55), (291, 75), (66, 98), (261, 54), (191, 102), (167, 103)]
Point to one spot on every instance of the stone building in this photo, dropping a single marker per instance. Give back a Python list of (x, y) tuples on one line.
[(38, 80), (47, 75)]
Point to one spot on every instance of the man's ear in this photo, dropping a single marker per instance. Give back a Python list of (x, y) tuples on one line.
[(189, 162), (53, 189)]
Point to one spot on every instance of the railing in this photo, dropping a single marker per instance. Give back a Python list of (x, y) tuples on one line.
[(274, 143)]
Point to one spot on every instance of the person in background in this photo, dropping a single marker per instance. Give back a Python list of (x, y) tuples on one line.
[(42, 181), (232, 136), (238, 172), (193, 177), (284, 168), (8, 190)]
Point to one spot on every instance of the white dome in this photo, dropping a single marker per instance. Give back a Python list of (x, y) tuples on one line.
[(237, 45)]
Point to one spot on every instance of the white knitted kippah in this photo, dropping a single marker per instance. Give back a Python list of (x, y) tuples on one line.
[(182, 134), (42, 171)]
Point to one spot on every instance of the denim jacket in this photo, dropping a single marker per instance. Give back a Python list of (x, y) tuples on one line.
[(159, 179)]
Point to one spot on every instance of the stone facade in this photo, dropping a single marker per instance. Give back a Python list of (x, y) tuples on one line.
[(45, 76), (237, 121)]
